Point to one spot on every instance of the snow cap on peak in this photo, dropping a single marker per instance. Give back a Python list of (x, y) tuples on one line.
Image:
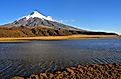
[(37, 14)]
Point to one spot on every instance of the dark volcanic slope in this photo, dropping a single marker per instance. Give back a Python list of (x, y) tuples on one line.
[(33, 22), (37, 19)]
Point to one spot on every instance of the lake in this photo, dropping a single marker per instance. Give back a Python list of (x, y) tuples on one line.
[(26, 58)]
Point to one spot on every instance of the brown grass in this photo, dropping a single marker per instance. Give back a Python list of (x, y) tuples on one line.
[(70, 37)]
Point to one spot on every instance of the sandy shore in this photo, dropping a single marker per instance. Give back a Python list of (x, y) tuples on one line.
[(71, 37), (96, 71)]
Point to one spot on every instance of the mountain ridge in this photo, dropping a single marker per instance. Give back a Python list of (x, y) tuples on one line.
[(37, 19), (36, 24)]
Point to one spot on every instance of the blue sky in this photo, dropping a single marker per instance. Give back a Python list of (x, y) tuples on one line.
[(97, 15)]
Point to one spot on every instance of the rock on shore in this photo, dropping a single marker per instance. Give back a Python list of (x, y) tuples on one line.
[(96, 71)]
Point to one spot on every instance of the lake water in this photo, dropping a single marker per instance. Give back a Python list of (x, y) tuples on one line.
[(24, 59)]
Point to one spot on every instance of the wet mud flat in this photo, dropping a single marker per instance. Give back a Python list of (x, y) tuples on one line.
[(95, 71)]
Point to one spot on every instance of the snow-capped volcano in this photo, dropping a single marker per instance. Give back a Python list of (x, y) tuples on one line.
[(36, 14), (31, 24), (36, 19)]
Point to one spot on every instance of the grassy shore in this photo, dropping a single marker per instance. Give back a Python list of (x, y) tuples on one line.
[(70, 37), (96, 71)]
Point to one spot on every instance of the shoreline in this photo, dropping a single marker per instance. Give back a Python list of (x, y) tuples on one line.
[(49, 38), (95, 71)]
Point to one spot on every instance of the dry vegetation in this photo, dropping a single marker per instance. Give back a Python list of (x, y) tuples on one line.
[(42, 31), (31, 32), (69, 37), (10, 34)]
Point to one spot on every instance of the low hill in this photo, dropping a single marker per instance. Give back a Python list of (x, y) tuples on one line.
[(43, 31)]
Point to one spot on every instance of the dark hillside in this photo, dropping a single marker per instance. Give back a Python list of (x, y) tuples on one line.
[(42, 31)]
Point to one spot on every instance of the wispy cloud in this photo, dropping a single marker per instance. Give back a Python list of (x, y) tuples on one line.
[(68, 21)]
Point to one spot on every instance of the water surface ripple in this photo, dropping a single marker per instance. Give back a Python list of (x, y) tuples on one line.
[(24, 59)]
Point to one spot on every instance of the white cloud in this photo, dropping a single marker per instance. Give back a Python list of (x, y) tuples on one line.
[(67, 21)]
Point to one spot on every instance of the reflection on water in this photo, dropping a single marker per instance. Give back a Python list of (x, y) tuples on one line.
[(42, 56)]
